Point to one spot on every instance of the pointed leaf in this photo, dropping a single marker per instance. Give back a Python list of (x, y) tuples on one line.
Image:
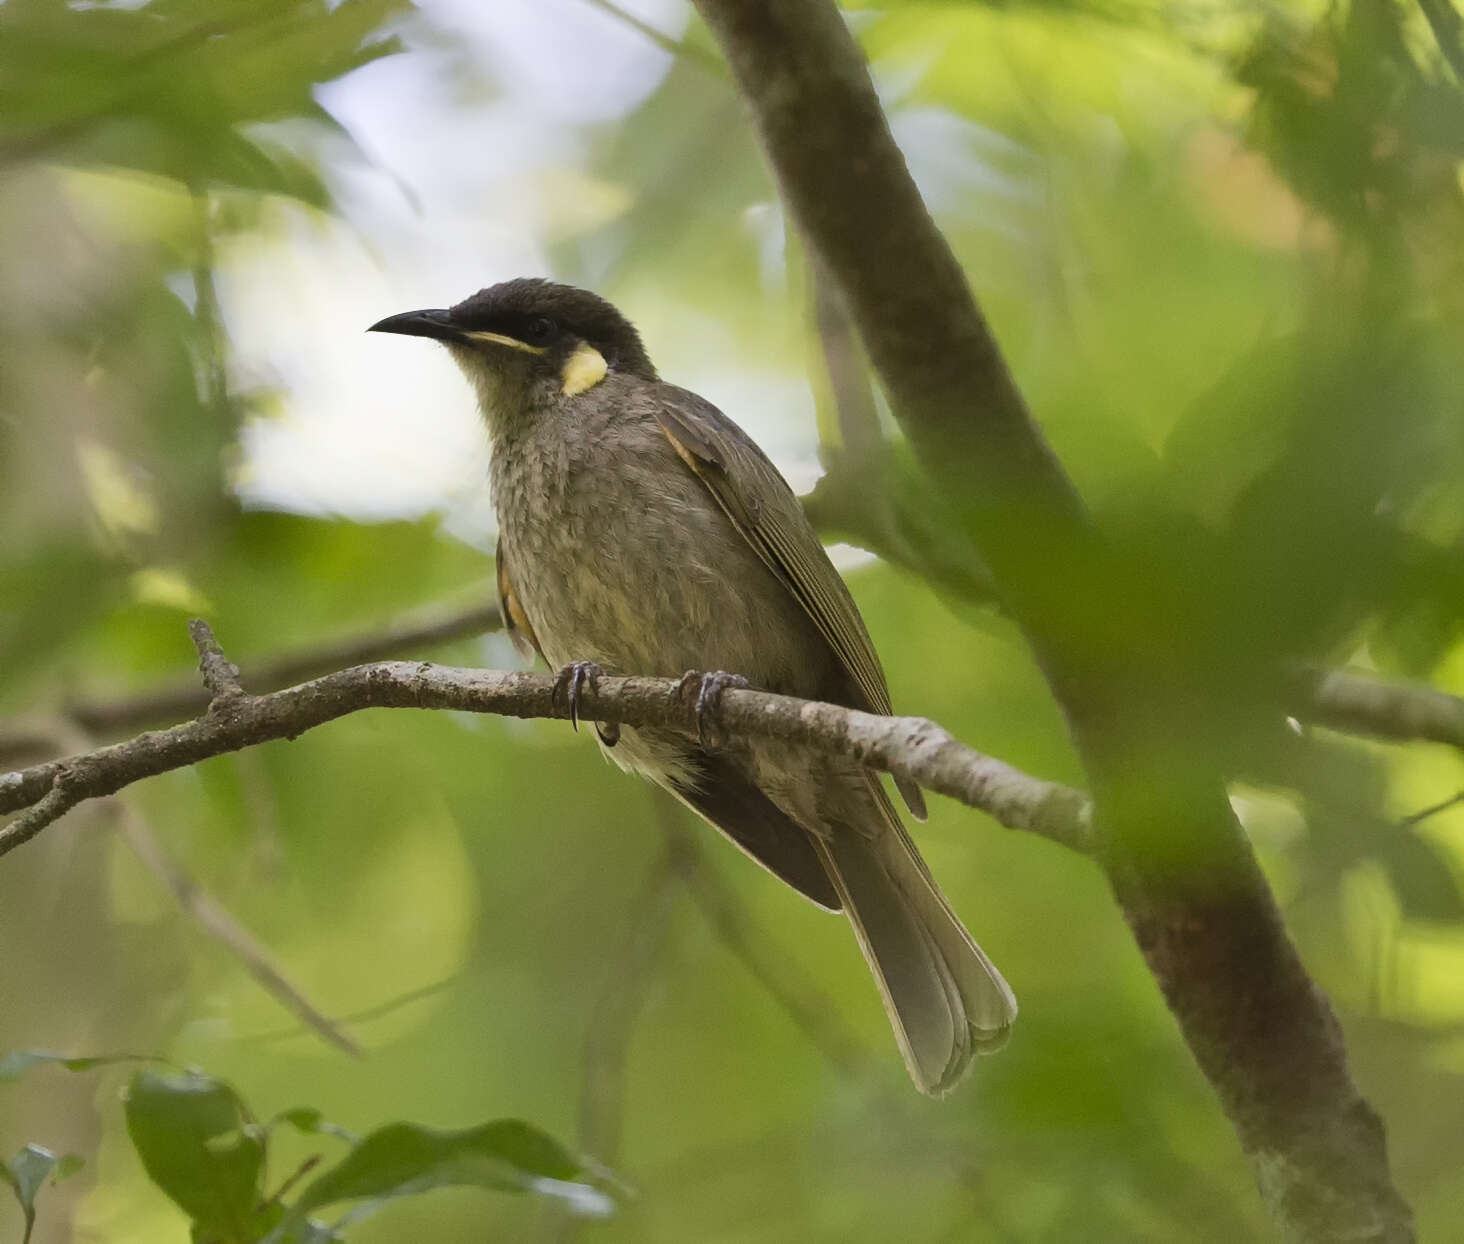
[(194, 1136), (1423, 878), (309, 1120), (403, 1158)]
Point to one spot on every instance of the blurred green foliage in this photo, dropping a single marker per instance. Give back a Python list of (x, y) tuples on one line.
[(1221, 247), (201, 1146)]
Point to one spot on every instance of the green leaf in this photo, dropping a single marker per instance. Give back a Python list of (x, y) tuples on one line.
[(1423, 878), (403, 1158), (305, 1118), (18, 1062), (196, 1142), (26, 1172), (309, 1120), (67, 1166)]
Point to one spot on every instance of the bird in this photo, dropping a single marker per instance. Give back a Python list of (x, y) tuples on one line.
[(643, 532)]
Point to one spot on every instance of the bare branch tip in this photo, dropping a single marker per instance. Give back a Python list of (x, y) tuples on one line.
[(220, 675)]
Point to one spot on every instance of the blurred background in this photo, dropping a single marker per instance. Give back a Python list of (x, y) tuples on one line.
[(1222, 247)]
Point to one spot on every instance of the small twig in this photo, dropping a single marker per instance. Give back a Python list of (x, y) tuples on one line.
[(701, 57), (799, 997), (196, 902), (855, 412), (375, 1011), (184, 697), (220, 675), (214, 919), (900, 530), (56, 802), (206, 312), (613, 1017), (1416, 818), (299, 1173), (612, 1020)]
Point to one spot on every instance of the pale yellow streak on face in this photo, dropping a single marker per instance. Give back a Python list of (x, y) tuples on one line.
[(583, 370), (498, 339)]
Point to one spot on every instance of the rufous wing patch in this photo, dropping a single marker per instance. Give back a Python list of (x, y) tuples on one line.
[(515, 620)]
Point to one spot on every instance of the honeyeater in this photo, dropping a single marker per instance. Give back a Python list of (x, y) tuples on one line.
[(641, 531)]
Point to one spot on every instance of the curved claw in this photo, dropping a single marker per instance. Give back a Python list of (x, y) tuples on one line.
[(609, 732), (570, 682), (709, 688)]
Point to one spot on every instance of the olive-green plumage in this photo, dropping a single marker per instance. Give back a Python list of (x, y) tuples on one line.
[(644, 531)]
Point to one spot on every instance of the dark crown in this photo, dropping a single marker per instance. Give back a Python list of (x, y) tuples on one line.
[(510, 306)]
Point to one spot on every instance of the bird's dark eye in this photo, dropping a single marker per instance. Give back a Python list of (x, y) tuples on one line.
[(540, 330)]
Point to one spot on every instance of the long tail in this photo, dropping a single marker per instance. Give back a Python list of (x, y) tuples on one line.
[(945, 998)]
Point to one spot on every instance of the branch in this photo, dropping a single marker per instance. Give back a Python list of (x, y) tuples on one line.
[(376, 1010), (849, 192), (855, 413), (220, 675), (1340, 700), (197, 903), (1180, 867), (692, 53), (1400, 711), (195, 900), (863, 498), (626, 983), (907, 747), (867, 494)]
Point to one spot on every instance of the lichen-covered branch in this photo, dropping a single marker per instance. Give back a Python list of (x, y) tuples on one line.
[(908, 747)]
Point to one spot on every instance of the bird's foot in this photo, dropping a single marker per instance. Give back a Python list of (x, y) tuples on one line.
[(709, 688), (609, 732), (571, 682)]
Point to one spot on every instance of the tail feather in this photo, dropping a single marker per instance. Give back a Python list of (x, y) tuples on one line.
[(946, 1000)]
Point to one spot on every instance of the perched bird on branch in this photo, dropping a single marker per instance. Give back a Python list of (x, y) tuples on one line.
[(643, 532)]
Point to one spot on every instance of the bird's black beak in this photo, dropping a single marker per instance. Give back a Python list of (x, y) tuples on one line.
[(435, 324)]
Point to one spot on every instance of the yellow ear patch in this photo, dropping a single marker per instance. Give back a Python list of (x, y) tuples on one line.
[(583, 370)]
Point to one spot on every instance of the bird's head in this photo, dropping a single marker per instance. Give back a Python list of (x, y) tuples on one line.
[(530, 339)]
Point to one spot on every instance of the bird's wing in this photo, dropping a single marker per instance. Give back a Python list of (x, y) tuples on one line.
[(715, 789), (756, 497), (515, 620)]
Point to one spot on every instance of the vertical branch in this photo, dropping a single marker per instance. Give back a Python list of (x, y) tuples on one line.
[(795, 993), (618, 1007), (1178, 862), (867, 495), (213, 373), (855, 413)]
